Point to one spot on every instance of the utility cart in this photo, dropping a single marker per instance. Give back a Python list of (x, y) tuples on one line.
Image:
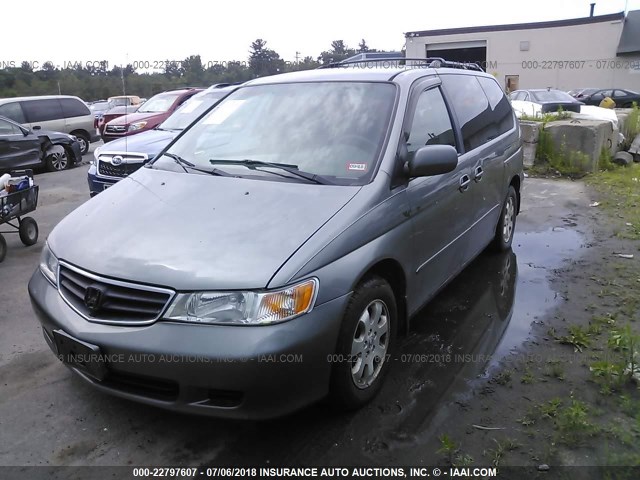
[(13, 207)]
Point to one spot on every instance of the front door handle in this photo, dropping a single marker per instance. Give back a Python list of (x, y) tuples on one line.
[(477, 173), (464, 183)]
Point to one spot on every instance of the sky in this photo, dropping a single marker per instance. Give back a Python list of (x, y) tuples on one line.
[(150, 32)]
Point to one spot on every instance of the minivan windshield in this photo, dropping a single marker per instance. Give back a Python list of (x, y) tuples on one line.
[(191, 109), (158, 104), (333, 130)]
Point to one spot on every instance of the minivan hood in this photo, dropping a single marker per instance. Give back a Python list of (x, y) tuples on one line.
[(195, 232), (150, 142)]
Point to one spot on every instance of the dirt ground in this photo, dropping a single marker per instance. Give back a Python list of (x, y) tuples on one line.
[(516, 363)]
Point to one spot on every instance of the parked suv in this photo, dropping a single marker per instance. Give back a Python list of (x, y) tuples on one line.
[(271, 254), (150, 114), (60, 113), (119, 158)]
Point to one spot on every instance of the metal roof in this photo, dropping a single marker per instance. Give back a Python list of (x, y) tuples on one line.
[(630, 38), (519, 26)]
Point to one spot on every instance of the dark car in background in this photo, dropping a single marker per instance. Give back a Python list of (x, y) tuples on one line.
[(119, 158), (149, 115), (593, 96), (549, 99), (21, 147)]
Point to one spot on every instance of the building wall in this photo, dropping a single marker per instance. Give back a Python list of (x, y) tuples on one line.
[(587, 53)]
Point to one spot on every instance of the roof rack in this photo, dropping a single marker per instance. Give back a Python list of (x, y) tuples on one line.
[(429, 62)]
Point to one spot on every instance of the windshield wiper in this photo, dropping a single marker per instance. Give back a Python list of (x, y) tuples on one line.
[(289, 168), (186, 163)]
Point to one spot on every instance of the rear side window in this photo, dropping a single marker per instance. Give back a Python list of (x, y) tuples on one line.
[(73, 108), (501, 113), (13, 111), (479, 121), (42, 110), (431, 124)]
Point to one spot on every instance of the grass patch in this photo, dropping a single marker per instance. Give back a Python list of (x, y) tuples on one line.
[(577, 337), (573, 422), (620, 191), (631, 127)]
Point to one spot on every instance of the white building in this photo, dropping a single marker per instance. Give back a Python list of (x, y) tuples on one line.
[(596, 51)]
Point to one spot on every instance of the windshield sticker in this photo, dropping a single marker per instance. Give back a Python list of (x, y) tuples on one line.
[(357, 167), (190, 106), (222, 112)]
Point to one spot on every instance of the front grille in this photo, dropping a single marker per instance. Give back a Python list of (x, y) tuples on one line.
[(119, 302), (121, 171), (116, 128)]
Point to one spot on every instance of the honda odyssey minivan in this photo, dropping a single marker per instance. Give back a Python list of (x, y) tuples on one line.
[(271, 254)]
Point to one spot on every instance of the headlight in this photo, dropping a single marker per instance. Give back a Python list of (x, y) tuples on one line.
[(94, 160), (49, 265), (136, 126), (244, 308)]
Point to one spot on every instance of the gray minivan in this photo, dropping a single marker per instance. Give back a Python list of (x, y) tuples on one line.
[(280, 243), (58, 113)]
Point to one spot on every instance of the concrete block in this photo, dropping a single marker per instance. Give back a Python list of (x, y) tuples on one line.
[(530, 132), (582, 141)]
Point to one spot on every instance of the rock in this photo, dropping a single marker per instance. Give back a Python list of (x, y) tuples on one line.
[(530, 132), (635, 148), (623, 158), (580, 144), (543, 468)]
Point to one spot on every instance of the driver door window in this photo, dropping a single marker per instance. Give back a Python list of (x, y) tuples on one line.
[(431, 123)]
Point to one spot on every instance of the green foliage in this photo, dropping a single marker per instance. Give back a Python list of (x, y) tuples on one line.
[(447, 446), (578, 337), (573, 422), (631, 126), (620, 189), (605, 160)]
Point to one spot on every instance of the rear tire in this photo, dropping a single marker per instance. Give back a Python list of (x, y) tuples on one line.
[(3, 248), (83, 140), (507, 223), (28, 231), (366, 338)]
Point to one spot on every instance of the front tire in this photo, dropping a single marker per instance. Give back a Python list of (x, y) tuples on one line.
[(58, 161), (366, 338), (3, 248), (28, 231), (507, 223)]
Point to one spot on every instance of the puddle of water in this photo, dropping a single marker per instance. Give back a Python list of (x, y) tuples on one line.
[(481, 317), (538, 253)]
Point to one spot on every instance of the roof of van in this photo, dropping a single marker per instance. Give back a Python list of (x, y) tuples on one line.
[(37, 97), (363, 73)]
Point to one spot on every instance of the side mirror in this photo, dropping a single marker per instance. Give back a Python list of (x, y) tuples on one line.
[(432, 160), (36, 127)]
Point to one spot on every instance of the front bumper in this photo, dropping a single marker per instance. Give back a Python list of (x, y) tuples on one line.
[(77, 153), (234, 372), (98, 184)]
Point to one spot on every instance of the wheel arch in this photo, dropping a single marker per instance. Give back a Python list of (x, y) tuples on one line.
[(391, 270), (516, 183)]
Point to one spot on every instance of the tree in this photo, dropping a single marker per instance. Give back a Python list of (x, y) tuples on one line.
[(363, 47), (339, 51), (264, 61)]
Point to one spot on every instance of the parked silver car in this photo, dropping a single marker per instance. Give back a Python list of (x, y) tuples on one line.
[(269, 256), (59, 113)]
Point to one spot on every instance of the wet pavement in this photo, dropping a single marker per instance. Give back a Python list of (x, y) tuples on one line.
[(47, 416)]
